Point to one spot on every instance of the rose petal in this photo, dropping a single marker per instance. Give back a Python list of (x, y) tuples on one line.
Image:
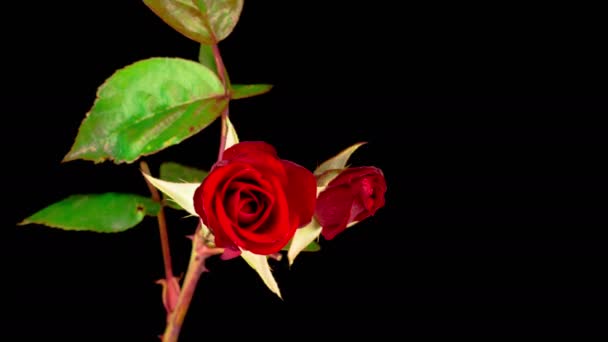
[(261, 241), (270, 230), (230, 253), (262, 193), (206, 203), (249, 211), (274, 232), (248, 146), (301, 192), (348, 175), (358, 211), (267, 165), (374, 200), (225, 225), (198, 204), (361, 189), (240, 192), (333, 210), (259, 155)]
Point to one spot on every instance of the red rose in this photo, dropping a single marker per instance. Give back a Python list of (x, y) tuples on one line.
[(355, 194), (253, 200)]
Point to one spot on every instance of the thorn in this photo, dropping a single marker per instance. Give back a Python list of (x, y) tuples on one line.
[(190, 237), (276, 256)]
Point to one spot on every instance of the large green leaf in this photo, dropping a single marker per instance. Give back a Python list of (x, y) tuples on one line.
[(104, 213), (241, 91), (204, 21), (146, 107)]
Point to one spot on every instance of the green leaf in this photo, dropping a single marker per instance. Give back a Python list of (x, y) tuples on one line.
[(174, 172), (338, 161), (146, 107), (302, 238), (260, 264), (206, 58), (241, 91), (181, 193), (312, 247), (103, 213), (204, 21)]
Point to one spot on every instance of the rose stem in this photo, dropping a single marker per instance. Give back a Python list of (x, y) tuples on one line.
[(200, 252), (219, 63), (221, 71), (162, 226)]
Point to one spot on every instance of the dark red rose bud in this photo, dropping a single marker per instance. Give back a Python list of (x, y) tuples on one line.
[(354, 195)]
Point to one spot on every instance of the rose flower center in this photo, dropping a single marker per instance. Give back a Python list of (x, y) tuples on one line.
[(247, 204)]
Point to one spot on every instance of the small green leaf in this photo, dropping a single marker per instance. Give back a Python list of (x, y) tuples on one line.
[(241, 91), (174, 172), (312, 247), (206, 58), (146, 107), (181, 193), (302, 238), (103, 213), (338, 161), (204, 21), (260, 264)]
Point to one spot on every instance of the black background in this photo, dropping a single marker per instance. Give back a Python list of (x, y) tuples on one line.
[(485, 120)]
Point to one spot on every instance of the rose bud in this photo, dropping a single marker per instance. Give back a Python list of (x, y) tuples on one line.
[(355, 194)]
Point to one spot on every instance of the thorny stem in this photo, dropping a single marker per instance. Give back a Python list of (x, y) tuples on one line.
[(200, 250), (162, 226), (200, 253), (221, 72)]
